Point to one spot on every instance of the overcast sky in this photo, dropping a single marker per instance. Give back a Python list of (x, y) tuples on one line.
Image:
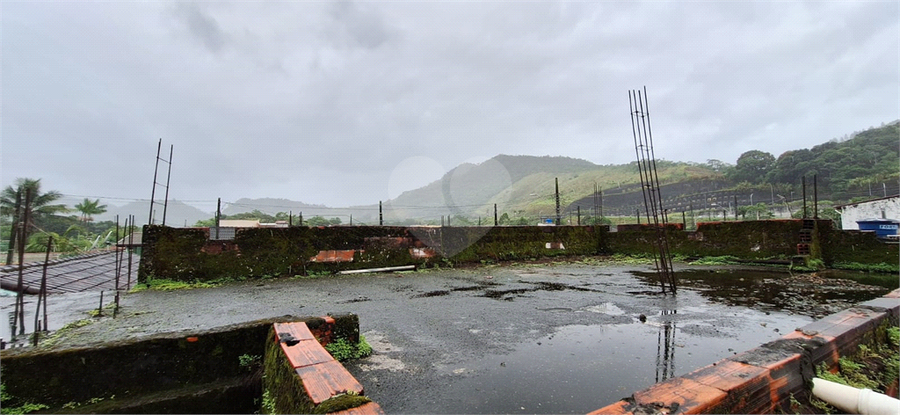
[(350, 103)]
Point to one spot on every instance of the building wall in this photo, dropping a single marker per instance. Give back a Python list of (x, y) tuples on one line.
[(884, 208)]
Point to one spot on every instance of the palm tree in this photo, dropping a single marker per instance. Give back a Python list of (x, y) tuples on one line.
[(88, 208), (13, 202)]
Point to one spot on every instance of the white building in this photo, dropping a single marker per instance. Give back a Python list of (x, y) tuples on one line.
[(881, 208)]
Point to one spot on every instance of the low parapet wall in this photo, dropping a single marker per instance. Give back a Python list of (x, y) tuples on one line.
[(195, 371), (302, 377), (762, 380), (188, 254)]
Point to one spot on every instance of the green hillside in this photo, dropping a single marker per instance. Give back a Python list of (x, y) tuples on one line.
[(861, 165)]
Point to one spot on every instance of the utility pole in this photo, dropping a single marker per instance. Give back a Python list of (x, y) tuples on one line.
[(557, 202), (815, 196), (495, 215), (218, 216), (804, 197), (380, 215)]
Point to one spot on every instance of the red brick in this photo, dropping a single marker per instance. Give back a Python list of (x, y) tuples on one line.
[(325, 380), (747, 386), (306, 353), (692, 397), (334, 256), (298, 331), (620, 407)]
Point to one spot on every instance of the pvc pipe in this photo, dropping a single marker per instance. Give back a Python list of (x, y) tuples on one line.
[(385, 269), (853, 400)]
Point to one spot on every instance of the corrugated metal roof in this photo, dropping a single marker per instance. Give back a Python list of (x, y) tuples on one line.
[(92, 272)]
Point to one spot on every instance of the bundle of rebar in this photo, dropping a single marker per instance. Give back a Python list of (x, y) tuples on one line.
[(653, 209)]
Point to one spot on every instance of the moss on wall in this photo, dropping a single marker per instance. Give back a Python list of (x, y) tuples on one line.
[(57, 376), (856, 247), (283, 391), (185, 255), (746, 240)]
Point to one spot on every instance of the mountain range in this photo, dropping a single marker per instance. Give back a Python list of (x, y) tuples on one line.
[(525, 186)]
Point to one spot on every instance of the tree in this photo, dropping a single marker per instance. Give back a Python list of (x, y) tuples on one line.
[(13, 200), (752, 166), (89, 208)]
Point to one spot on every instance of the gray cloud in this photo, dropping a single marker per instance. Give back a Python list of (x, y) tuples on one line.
[(321, 101)]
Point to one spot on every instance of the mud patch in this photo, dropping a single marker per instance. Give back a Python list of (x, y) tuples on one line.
[(500, 294), (359, 299), (436, 293), (402, 288), (471, 288)]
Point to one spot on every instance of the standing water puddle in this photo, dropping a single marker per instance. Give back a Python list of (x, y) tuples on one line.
[(580, 368)]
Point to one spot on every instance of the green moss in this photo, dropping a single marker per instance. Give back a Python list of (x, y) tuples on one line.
[(811, 265), (283, 391), (164, 284), (716, 260), (54, 337), (341, 402)]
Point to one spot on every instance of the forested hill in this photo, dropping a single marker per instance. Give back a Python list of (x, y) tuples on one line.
[(859, 166), (844, 169)]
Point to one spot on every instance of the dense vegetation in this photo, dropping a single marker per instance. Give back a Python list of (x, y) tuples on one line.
[(844, 169)]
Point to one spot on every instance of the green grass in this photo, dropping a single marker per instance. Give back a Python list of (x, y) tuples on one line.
[(343, 350), (9, 404), (856, 266), (162, 284), (716, 260)]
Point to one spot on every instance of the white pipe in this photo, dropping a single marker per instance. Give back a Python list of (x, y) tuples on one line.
[(385, 269), (853, 400)]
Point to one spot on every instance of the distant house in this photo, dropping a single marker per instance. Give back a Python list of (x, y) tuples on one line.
[(239, 223), (881, 208), (251, 223)]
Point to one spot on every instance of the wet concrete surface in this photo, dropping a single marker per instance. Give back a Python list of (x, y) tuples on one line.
[(564, 338)]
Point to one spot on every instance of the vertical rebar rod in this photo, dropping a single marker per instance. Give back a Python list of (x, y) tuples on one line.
[(20, 295), (168, 181), (130, 250), (118, 264), (14, 229), (155, 172), (41, 293), (646, 161)]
